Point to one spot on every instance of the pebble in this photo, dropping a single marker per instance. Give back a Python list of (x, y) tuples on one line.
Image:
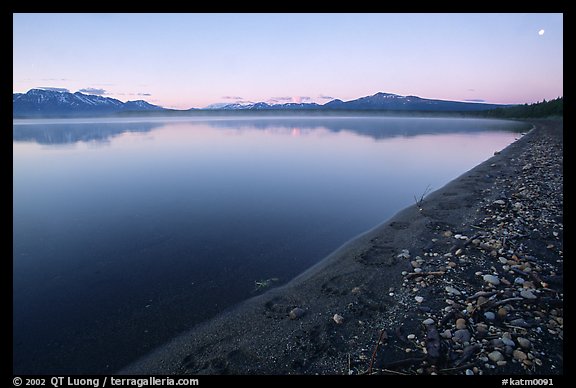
[(453, 291), (519, 355), (524, 343), (462, 336), (428, 321), (508, 341), (519, 280), (339, 319), (489, 315), (459, 252), (502, 312), (460, 324), (519, 322), (469, 372), (405, 254), (411, 336), (527, 294), (419, 299), (491, 279), (296, 313), (446, 334), (415, 264), (499, 202), (495, 356)]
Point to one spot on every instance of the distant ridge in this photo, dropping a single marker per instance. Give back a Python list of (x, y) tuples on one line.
[(40, 102), (378, 101)]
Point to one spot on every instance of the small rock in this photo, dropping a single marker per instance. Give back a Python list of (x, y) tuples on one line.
[(491, 279), (503, 260), (405, 254), (460, 324), (461, 336), (519, 280), (419, 299), (502, 312), (447, 233), (499, 202), (453, 291), (495, 356), (411, 336), (296, 313), (520, 323), (527, 294), (415, 264), (452, 264), (356, 291), (524, 343), (428, 321), (501, 363), (339, 319), (508, 341), (527, 166), (459, 252), (446, 334), (417, 270), (519, 355), (469, 372), (489, 315)]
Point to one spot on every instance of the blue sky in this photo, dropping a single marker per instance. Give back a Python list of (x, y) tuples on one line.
[(193, 60)]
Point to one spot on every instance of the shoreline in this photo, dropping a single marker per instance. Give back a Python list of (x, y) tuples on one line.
[(375, 281)]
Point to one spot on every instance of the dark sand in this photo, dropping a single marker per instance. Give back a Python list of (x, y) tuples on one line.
[(363, 283)]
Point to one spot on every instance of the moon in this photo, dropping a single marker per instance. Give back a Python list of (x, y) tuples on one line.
[(541, 32)]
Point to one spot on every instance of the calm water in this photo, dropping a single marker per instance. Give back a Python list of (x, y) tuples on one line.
[(128, 233)]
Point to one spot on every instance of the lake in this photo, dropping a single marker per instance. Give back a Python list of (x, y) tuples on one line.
[(129, 232)]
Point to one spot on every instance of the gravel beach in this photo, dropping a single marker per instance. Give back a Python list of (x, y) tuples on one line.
[(469, 281)]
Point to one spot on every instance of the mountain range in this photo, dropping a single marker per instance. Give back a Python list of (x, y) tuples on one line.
[(41, 102)]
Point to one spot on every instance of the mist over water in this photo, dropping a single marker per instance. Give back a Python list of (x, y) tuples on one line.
[(127, 233)]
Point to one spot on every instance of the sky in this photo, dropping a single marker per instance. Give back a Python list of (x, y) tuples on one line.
[(183, 61)]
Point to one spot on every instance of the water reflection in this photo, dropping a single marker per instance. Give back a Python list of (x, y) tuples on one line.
[(53, 134), (376, 128), (117, 249)]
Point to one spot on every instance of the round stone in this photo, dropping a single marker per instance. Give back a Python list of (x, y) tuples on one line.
[(460, 323), (296, 313), (339, 319), (524, 343), (489, 315), (428, 321), (491, 279), (519, 355), (495, 356), (527, 294)]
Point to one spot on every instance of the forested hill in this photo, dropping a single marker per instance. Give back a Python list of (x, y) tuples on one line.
[(552, 108)]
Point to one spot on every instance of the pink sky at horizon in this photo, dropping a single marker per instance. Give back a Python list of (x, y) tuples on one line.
[(194, 60)]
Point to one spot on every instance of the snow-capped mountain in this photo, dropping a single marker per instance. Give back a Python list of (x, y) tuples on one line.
[(40, 102), (388, 101), (379, 101)]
